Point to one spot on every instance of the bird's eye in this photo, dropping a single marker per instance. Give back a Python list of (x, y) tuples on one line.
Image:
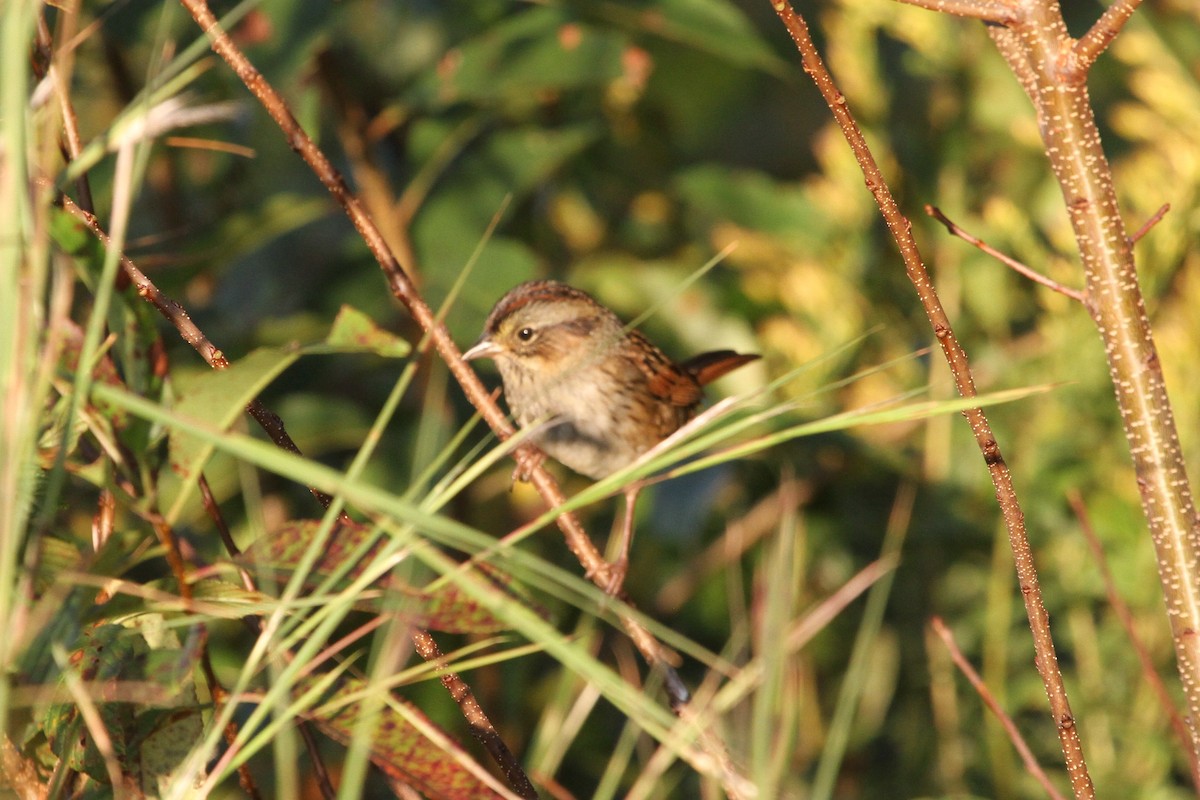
[(525, 334)]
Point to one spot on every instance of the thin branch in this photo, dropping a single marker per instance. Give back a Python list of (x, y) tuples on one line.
[(398, 280), (995, 11), (1125, 617), (20, 774), (174, 313), (1096, 41), (481, 727), (1150, 223), (989, 700), (900, 227), (404, 290), (1071, 138), (320, 771), (1007, 260)]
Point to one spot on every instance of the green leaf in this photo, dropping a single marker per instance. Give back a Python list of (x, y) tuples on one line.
[(715, 27), (535, 51), (144, 697), (355, 332), (109, 653), (217, 399)]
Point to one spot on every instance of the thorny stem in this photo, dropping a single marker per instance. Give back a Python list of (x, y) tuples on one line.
[(406, 292), (1014, 518), (1047, 62), (273, 426), (399, 281)]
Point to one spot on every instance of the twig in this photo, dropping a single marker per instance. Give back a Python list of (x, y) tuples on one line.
[(1155, 218), (943, 702), (402, 287), (1100, 36), (1007, 260), (1071, 139), (481, 727), (61, 67), (595, 566), (1014, 519), (995, 11), (19, 773), (398, 280), (1125, 617), (174, 313), (320, 772), (989, 700)]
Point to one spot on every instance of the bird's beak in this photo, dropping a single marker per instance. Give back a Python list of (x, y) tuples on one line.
[(484, 348)]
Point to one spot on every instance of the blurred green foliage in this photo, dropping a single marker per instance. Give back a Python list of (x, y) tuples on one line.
[(624, 145)]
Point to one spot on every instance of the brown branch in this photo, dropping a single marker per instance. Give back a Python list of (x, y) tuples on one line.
[(1071, 139), (398, 280), (481, 727), (62, 64), (402, 287), (320, 772), (1100, 36), (174, 313), (1125, 617), (271, 424), (405, 291), (900, 227), (1155, 218), (995, 11), (1007, 260), (990, 701), (20, 775)]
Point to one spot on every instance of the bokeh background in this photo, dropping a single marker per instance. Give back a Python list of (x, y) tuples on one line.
[(624, 146)]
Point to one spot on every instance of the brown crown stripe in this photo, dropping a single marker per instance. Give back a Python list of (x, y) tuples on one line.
[(534, 292)]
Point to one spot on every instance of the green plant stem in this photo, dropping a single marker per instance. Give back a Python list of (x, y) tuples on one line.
[(24, 271)]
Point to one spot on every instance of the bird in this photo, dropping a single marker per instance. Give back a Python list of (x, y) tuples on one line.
[(601, 394)]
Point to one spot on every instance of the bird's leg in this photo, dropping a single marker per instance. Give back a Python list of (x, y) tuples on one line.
[(529, 457), (618, 568)]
